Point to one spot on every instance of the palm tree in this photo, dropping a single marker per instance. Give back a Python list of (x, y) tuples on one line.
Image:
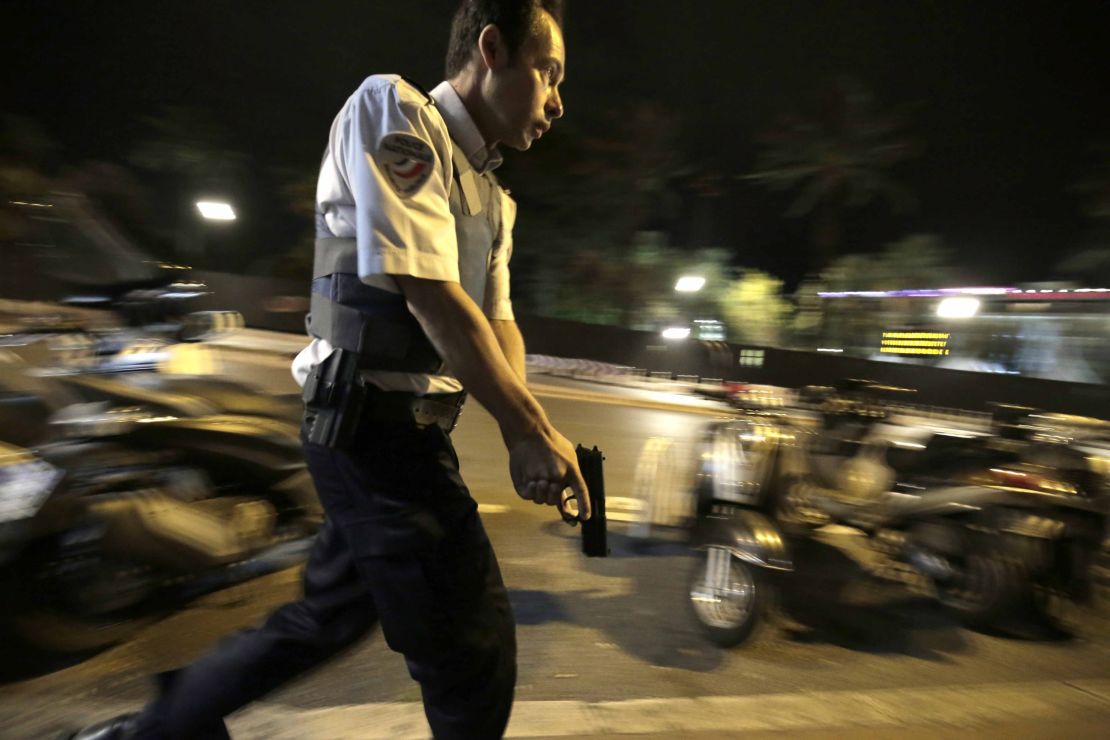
[(190, 145), (837, 155), (1090, 263), (1094, 187), (588, 202), (189, 152)]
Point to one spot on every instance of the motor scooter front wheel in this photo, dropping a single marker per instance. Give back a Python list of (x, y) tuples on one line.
[(986, 591), (727, 595), (99, 610)]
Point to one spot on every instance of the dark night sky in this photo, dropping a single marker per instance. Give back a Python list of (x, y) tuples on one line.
[(1007, 97)]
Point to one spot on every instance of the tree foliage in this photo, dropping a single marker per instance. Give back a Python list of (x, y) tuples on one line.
[(33, 165), (1094, 187), (192, 146), (27, 157), (836, 152), (915, 261), (590, 199), (1089, 266), (755, 310)]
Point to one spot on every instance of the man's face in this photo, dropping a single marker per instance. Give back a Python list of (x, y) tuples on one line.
[(524, 95)]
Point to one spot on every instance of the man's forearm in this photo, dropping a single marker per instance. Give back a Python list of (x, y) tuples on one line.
[(512, 345), (465, 340), (542, 462)]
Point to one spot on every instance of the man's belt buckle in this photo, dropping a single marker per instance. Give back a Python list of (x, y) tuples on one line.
[(426, 412)]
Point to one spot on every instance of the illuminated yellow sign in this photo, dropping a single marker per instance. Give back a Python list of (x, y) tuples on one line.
[(915, 343)]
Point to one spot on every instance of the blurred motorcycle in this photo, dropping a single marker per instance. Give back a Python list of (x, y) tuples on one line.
[(112, 323), (126, 490), (742, 551), (110, 515), (997, 516), (993, 516), (998, 519)]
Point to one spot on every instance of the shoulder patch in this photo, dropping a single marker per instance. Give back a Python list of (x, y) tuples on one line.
[(406, 161)]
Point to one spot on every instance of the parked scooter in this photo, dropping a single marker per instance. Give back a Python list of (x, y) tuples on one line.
[(125, 491), (991, 515), (995, 517), (742, 553), (110, 515)]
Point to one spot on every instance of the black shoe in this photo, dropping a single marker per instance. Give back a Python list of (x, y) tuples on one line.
[(116, 728)]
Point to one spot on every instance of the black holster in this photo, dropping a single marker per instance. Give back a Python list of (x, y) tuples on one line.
[(334, 395)]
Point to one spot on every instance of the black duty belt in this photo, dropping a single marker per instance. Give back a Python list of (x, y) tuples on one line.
[(441, 409)]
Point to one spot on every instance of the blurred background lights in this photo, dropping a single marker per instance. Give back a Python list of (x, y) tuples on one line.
[(213, 210), (676, 332), (710, 330), (958, 308), (689, 284)]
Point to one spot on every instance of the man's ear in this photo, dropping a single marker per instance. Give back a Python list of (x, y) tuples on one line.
[(491, 47)]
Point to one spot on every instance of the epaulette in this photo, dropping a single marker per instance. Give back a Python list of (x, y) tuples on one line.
[(420, 89)]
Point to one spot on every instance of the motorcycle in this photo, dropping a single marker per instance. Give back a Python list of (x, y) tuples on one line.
[(114, 324), (742, 553), (126, 491), (991, 515), (112, 515), (996, 516), (727, 516)]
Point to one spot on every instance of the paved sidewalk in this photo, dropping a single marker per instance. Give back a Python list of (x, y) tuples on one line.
[(1040, 709)]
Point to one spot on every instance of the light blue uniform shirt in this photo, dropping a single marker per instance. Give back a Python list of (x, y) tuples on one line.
[(399, 210)]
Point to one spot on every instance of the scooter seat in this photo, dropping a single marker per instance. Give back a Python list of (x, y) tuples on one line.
[(861, 515)]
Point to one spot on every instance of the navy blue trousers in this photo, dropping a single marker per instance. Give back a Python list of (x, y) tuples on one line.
[(402, 546)]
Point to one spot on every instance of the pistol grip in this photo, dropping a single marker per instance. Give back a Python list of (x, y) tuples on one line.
[(594, 530)]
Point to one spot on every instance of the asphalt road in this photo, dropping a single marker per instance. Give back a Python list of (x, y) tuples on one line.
[(607, 646)]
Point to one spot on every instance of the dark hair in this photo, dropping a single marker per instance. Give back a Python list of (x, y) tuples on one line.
[(514, 18)]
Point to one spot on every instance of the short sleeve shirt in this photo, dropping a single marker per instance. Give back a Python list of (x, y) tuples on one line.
[(385, 181)]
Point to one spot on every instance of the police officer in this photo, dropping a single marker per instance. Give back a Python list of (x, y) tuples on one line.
[(410, 304)]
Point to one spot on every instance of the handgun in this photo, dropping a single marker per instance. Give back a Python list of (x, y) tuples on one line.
[(594, 541)]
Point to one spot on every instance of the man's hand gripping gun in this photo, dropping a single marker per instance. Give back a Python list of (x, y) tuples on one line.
[(594, 542)]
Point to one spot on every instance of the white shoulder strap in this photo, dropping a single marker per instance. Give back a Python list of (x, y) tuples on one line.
[(464, 174)]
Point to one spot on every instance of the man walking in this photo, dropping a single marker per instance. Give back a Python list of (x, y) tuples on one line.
[(410, 306)]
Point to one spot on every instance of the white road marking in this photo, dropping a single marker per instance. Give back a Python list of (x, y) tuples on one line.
[(937, 707), (877, 712), (624, 509)]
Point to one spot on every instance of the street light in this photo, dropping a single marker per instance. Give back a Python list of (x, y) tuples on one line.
[(215, 210), (194, 230), (690, 284)]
